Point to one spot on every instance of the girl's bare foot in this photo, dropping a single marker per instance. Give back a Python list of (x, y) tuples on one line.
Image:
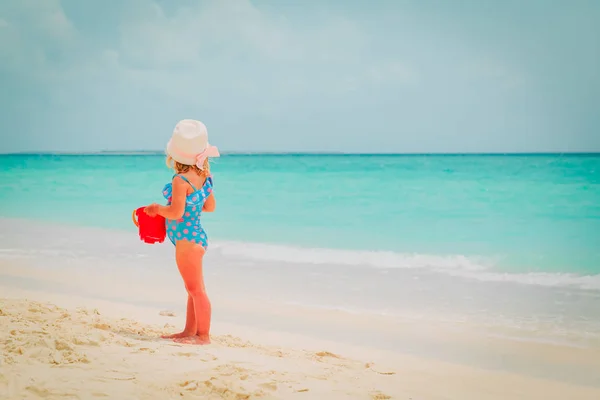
[(195, 339), (178, 335)]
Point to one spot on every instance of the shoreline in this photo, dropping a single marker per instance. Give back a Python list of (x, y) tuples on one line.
[(475, 267), (64, 299), (409, 296), (466, 345)]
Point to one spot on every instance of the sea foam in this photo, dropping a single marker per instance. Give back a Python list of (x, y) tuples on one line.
[(26, 239)]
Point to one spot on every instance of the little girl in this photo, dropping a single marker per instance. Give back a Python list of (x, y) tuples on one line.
[(189, 193)]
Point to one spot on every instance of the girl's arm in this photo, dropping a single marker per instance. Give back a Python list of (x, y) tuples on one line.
[(210, 203), (177, 207)]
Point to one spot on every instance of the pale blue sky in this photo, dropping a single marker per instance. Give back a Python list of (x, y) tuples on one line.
[(352, 76)]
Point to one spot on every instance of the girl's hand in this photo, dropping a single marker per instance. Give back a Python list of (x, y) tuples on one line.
[(152, 209)]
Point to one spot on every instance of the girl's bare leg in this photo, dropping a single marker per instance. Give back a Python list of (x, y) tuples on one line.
[(203, 324), (189, 261), (190, 322)]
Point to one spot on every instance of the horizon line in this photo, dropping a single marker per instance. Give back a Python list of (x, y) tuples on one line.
[(297, 153)]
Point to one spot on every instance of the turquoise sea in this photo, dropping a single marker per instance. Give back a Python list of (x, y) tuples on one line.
[(513, 213), (509, 242)]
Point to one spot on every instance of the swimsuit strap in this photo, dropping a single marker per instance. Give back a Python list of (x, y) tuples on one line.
[(186, 179)]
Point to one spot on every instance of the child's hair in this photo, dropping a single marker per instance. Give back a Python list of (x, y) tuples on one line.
[(182, 168)]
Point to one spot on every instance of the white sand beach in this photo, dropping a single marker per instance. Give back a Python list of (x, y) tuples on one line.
[(82, 311), (60, 345)]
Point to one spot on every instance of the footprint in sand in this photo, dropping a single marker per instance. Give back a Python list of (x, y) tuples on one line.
[(102, 326), (232, 341), (167, 313), (370, 366), (209, 357), (384, 372), (269, 386), (119, 376), (46, 350), (278, 353), (186, 354), (223, 391), (326, 354), (330, 359), (146, 349), (380, 396)]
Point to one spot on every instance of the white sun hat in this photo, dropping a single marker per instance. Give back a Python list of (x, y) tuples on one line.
[(189, 143)]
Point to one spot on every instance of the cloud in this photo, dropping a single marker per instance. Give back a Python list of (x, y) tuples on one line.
[(184, 49), (285, 69), (36, 37), (235, 37)]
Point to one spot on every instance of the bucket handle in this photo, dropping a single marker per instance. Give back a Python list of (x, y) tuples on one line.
[(134, 219)]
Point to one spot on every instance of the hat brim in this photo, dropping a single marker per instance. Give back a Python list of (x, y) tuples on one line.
[(170, 151)]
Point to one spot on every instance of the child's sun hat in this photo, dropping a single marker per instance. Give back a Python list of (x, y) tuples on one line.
[(189, 143)]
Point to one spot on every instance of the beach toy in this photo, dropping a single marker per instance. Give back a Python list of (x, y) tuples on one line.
[(151, 229)]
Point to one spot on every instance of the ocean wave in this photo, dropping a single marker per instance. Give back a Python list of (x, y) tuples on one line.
[(549, 279), (97, 243), (323, 256), (477, 268)]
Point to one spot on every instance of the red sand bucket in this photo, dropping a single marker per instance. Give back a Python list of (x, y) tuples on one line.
[(151, 229)]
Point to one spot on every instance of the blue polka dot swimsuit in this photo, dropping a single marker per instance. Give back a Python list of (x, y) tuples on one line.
[(188, 226)]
